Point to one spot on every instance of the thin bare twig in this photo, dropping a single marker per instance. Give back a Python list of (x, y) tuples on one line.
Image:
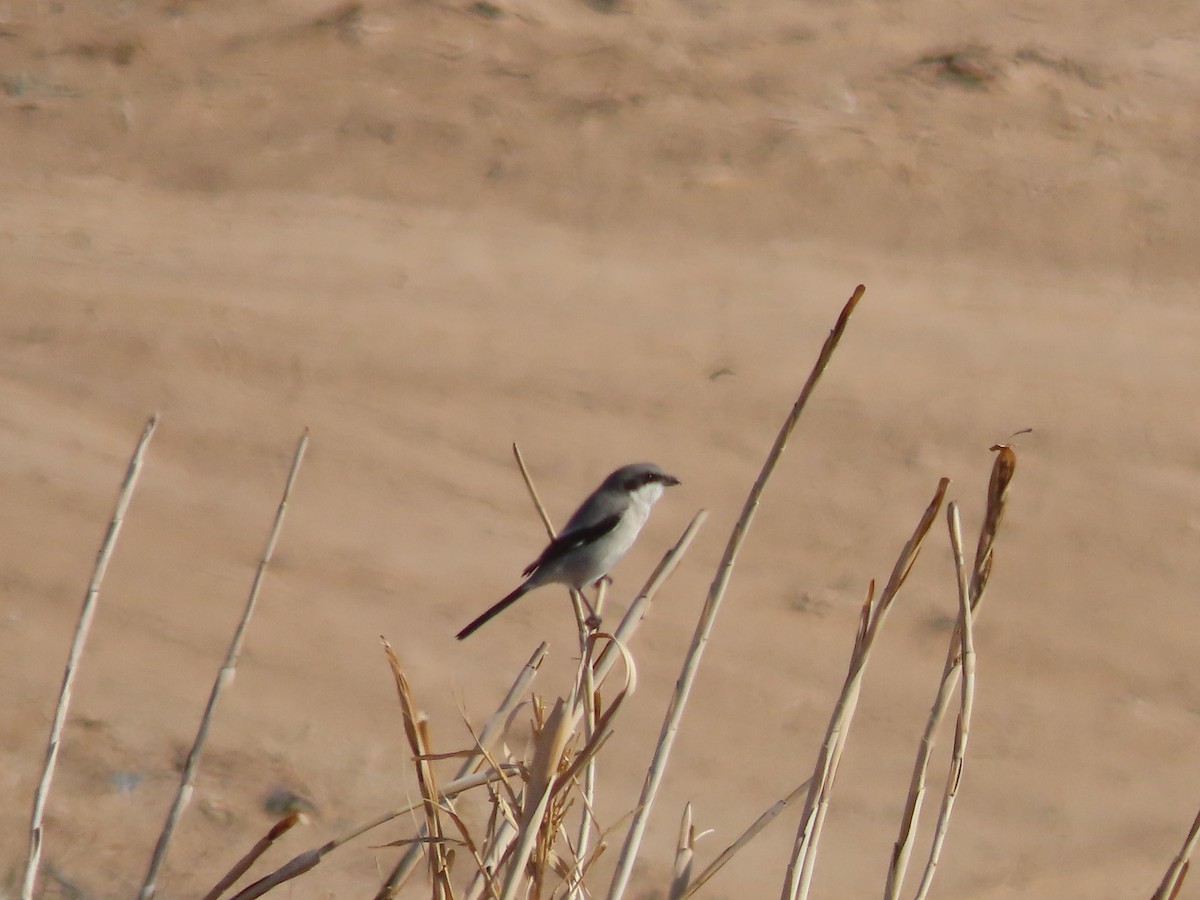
[(307, 860), (242, 866), (816, 805), (82, 628), (224, 677), (712, 605), (641, 603), (747, 836), (415, 731), (1172, 882), (547, 753), (1003, 468), (585, 688), (966, 634), (533, 493)]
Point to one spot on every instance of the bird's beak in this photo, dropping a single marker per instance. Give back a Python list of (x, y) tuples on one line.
[(669, 480)]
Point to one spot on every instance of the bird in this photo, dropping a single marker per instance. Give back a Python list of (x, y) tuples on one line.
[(595, 537)]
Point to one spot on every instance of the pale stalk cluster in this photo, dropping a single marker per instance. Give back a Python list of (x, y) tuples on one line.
[(513, 822)]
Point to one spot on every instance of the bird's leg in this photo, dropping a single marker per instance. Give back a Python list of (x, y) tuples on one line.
[(593, 618)]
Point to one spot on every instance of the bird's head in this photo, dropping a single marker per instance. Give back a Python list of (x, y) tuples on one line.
[(643, 482)]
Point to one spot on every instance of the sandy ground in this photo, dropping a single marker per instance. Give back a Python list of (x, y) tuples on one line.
[(426, 230)]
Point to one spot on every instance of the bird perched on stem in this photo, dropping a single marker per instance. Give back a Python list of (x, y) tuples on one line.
[(594, 538)]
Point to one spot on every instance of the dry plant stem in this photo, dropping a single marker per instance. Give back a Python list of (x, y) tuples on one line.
[(685, 852), (583, 859), (493, 725), (641, 604), (547, 753), (816, 804), (294, 868), (497, 844), (470, 843), (415, 732), (280, 828), (607, 657), (495, 722), (902, 850), (432, 828), (966, 634), (1169, 888), (584, 684), (584, 759), (1003, 468), (300, 864), (533, 494), (747, 836), (548, 777), (467, 839), (603, 724), (585, 865), (712, 605), (224, 677), (86, 613)]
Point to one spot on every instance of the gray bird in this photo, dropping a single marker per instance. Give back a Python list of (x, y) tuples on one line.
[(594, 538)]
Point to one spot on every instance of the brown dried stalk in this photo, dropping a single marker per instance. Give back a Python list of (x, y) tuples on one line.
[(490, 729), (1003, 468), (307, 860), (548, 777), (462, 781), (242, 866), (426, 781), (808, 835)]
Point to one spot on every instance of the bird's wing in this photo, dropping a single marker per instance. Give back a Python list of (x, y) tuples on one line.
[(572, 539)]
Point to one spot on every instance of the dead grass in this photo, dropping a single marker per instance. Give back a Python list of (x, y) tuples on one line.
[(537, 836)]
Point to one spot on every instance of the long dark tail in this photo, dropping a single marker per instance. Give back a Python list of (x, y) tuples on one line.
[(494, 611)]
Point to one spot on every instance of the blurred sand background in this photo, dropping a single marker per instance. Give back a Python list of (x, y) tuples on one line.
[(428, 229)]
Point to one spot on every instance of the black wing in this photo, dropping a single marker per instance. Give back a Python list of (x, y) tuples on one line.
[(571, 540)]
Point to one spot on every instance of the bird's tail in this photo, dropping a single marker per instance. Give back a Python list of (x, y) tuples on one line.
[(494, 610)]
